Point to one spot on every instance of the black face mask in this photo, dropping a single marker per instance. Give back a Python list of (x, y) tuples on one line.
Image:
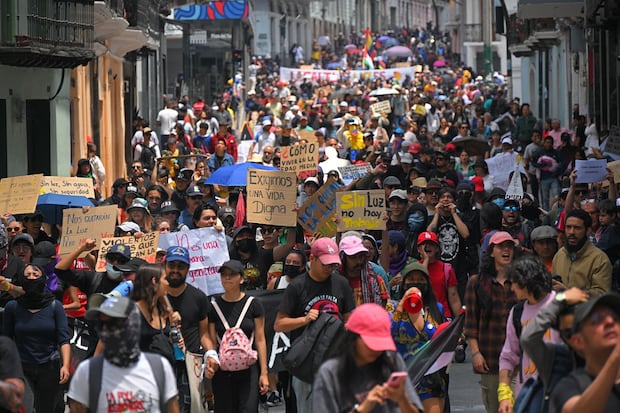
[(33, 285), (423, 287), (244, 245), (291, 271)]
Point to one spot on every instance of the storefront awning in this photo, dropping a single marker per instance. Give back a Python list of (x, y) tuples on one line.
[(541, 9)]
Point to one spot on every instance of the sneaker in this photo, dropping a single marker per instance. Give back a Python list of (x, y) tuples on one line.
[(274, 399), (459, 353)]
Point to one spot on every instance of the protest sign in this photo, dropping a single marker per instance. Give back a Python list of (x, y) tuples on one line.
[(299, 158), (611, 145), (500, 167), (593, 170), (351, 172), (207, 252), (78, 225), (515, 187), (243, 149), (318, 209), (381, 107), (360, 210), (144, 247), (307, 135), (68, 185), (297, 75), (271, 197), (19, 194)]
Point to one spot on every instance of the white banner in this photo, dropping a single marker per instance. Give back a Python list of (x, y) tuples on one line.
[(207, 252), (297, 75)]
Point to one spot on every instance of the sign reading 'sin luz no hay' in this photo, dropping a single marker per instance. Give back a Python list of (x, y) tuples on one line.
[(271, 197), (360, 210)]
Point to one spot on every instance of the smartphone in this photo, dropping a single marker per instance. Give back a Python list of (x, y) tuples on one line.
[(396, 378)]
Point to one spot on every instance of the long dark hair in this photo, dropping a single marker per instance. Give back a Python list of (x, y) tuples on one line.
[(429, 299), (145, 290)]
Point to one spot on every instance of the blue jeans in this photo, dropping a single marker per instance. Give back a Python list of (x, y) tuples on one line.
[(549, 188)]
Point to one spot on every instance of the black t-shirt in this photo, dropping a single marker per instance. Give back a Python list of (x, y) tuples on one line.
[(255, 268), (570, 386), (193, 306), (232, 311), (304, 294), (10, 366), (89, 282)]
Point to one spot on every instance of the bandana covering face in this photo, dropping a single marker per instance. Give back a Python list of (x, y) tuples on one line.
[(120, 344)]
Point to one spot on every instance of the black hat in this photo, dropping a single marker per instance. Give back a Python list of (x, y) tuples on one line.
[(168, 206), (115, 307), (131, 266), (233, 265), (120, 182), (583, 310), (43, 252)]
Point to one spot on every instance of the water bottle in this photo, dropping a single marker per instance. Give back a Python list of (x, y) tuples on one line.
[(175, 335)]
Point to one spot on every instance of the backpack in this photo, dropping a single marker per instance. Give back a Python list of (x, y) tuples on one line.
[(95, 373), (235, 351), (147, 157), (317, 343), (534, 397)]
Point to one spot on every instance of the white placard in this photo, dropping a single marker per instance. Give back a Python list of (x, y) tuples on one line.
[(593, 170)]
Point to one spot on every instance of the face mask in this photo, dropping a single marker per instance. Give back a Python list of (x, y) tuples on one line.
[(291, 271), (423, 287), (112, 273), (415, 222), (33, 286), (499, 202), (120, 342), (244, 245)]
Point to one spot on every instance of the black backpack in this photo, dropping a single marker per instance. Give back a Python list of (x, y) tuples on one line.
[(317, 343), (534, 396), (147, 157)]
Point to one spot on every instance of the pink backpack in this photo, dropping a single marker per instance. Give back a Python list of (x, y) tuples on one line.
[(235, 351)]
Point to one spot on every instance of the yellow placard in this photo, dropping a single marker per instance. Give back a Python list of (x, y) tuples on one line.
[(360, 210), (271, 197), (79, 225), (144, 247), (19, 194)]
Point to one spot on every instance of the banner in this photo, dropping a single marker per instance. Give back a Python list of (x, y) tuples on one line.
[(271, 197), (351, 172), (68, 185), (297, 75), (79, 225), (317, 210), (19, 194), (299, 158), (144, 247), (360, 210), (207, 252)]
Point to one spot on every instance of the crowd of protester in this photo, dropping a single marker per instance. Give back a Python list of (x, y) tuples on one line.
[(453, 238)]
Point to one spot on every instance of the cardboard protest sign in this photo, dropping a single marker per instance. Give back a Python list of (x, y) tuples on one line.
[(68, 185), (78, 225), (615, 168), (360, 210), (271, 197), (307, 135), (144, 247), (590, 171), (351, 172), (501, 165), (317, 210), (381, 107), (19, 194), (207, 252), (299, 158)]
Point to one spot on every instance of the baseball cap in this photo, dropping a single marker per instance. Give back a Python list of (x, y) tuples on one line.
[(43, 251), (115, 307), (27, 238), (464, 186), (193, 191), (427, 236), (312, 179), (399, 193), (398, 131), (131, 266), (120, 182), (168, 206), (326, 250), (343, 104), (352, 245), (132, 190), (396, 238), (146, 130), (415, 148), (499, 237), (225, 211), (406, 158), (583, 310), (507, 140), (241, 229), (434, 184), (372, 323), (176, 253), (120, 249), (266, 123), (129, 226), (138, 203), (235, 266), (478, 183), (414, 266), (543, 232), (391, 181)]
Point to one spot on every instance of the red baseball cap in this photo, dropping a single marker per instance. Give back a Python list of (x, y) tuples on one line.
[(478, 183), (427, 236), (415, 148), (326, 250), (372, 323)]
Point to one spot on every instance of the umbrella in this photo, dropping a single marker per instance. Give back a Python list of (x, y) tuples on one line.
[(387, 41), (350, 46), (473, 145), (235, 175), (398, 51), (384, 91), (52, 205), (439, 63)]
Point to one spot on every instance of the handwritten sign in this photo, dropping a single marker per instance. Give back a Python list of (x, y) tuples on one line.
[(78, 225), (307, 135), (615, 168), (144, 247), (319, 208), (67, 185), (381, 107), (360, 210), (500, 167), (271, 196), (299, 158), (19, 194), (207, 252), (515, 187), (593, 170), (354, 171)]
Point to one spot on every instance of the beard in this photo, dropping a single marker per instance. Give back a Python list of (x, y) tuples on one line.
[(576, 247), (176, 282)]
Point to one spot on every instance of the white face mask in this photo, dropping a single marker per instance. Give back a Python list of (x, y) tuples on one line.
[(112, 273)]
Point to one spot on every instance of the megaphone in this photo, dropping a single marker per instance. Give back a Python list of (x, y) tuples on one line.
[(123, 289)]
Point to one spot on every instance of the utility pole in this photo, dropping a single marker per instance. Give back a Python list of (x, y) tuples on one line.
[(487, 35)]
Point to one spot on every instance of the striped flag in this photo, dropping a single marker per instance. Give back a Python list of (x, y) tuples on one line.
[(367, 61)]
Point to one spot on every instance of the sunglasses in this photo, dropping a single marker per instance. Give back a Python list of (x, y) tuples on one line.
[(510, 208), (13, 229), (432, 191), (463, 127), (136, 167), (269, 230)]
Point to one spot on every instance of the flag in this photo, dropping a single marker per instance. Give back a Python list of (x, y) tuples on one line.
[(367, 39), (367, 61), (240, 212), (438, 352)]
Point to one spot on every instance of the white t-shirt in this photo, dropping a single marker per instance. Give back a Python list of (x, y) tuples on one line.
[(167, 119), (126, 390)]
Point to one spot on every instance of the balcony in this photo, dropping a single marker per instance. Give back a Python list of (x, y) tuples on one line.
[(42, 33)]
